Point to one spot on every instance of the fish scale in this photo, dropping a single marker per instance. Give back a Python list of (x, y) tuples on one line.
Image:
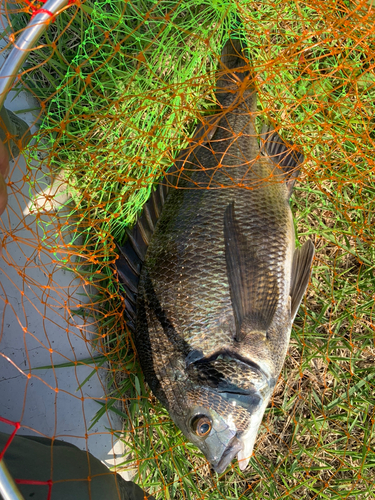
[(195, 288), (211, 276)]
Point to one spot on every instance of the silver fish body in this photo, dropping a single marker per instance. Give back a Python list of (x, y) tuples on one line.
[(220, 281)]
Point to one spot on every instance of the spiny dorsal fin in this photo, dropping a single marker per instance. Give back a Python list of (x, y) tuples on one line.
[(133, 252), (301, 270), (253, 289), (284, 155)]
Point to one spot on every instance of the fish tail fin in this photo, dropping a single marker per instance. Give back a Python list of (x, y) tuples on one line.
[(233, 57), (234, 65)]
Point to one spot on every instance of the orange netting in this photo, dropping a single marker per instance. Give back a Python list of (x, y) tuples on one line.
[(112, 92)]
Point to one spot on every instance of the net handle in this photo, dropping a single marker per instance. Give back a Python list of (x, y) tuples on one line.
[(8, 488), (29, 36)]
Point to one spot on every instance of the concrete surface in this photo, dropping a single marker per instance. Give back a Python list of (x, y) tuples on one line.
[(49, 402)]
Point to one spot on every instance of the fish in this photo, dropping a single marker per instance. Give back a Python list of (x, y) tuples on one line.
[(211, 277)]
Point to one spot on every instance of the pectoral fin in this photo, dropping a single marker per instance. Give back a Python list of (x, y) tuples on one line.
[(253, 289), (301, 270)]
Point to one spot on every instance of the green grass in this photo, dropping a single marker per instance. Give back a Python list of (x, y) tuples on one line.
[(313, 67)]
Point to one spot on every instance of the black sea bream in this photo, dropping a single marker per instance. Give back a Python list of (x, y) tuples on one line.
[(212, 277)]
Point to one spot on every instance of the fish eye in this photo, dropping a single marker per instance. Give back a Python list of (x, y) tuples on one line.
[(201, 425)]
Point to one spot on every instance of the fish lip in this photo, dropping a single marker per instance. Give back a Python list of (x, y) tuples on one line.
[(233, 448)]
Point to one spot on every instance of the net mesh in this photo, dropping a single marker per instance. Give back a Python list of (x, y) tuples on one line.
[(117, 88)]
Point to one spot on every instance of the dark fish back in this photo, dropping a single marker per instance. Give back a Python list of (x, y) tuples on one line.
[(132, 253)]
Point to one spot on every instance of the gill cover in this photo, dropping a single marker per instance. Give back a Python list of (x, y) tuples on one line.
[(232, 394)]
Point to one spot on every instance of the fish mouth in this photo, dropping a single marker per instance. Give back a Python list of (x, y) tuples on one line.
[(233, 448)]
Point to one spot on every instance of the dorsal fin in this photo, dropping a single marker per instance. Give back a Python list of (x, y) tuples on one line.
[(203, 133), (253, 290), (282, 154), (133, 252), (301, 270)]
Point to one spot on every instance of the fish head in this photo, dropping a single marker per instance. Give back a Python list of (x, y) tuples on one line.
[(222, 417)]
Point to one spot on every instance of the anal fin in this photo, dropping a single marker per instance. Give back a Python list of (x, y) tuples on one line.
[(282, 154)]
